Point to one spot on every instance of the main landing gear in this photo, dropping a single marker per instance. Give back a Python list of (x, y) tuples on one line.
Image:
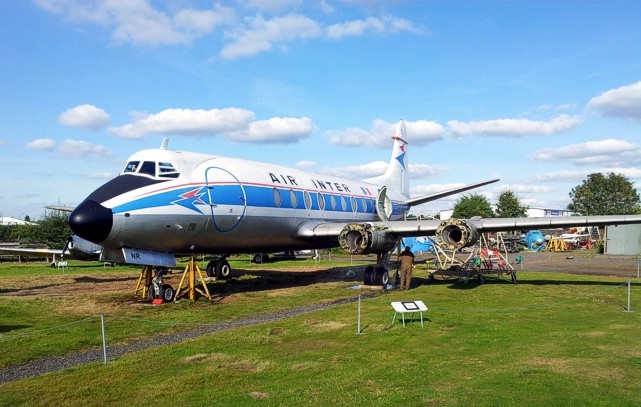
[(219, 268), (377, 275)]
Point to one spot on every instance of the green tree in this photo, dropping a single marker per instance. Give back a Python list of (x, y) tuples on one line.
[(509, 206), (612, 194), (53, 229), (472, 205)]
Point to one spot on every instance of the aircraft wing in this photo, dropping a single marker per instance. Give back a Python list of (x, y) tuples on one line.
[(60, 208), (370, 237), (26, 252), (442, 194)]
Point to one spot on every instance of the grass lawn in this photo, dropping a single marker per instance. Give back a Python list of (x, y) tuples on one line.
[(552, 339)]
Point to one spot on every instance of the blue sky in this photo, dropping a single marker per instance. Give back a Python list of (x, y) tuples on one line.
[(539, 94)]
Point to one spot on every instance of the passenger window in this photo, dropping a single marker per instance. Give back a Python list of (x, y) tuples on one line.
[(321, 201), (278, 200), (332, 202), (292, 197), (353, 201), (308, 200)]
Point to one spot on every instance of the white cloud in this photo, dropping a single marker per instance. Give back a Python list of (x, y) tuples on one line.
[(261, 34), (521, 188), (368, 170), (620, 102), (187, 122), (631, 172), (84, 116), (306, 164), (612, 151), (204, 21), (138, 22), (384, 24), (420, 171), (275, 130), (79, 148), (514, 127), (560, 176), (274, 6), (419, 132), (41, 144), (233, 123)]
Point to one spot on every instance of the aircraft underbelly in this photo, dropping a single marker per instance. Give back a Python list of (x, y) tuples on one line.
[(199, 233)]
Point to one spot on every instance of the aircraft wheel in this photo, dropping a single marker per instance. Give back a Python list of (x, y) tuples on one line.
[(53, 264), (223, 270), (211, 267), (150, 292), (167, 293), (258, 258), (381, 277), (368, 273)]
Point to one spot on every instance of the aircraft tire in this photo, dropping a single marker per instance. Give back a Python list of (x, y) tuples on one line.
[(167, 293), (150, 292), (368, 274), (211, 267), (223, 270), (259, 258), (381, 277)]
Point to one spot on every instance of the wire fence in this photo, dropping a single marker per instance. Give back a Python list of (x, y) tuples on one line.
[(195, 329)]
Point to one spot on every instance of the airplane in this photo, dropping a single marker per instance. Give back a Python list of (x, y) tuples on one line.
[(167, 202), (534, 241), (75, 248)]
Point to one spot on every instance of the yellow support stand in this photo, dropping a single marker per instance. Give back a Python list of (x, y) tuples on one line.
[(191, 270), (144, 281)]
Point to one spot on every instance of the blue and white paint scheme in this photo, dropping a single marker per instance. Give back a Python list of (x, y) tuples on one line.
[(167, 202)]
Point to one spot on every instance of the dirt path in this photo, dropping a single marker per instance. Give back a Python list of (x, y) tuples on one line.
[(575, 262)]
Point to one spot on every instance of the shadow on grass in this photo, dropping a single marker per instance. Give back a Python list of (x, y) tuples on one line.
[(27, 291), (9, 328), (244, 281)]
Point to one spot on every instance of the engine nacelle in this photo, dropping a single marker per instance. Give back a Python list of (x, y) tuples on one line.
[(363, 238), (456, 234)]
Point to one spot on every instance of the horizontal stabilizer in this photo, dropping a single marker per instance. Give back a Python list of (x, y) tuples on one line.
[(439, 195)]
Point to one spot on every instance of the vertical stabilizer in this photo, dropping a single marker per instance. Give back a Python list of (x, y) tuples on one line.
[(396, 177)]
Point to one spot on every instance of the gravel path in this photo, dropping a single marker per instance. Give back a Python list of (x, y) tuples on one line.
[(38, 367)]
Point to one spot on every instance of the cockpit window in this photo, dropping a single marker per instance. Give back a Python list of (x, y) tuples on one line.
[(166, 170), (149, 168), (131, 166)]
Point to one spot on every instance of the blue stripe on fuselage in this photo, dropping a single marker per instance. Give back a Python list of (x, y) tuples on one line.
[(257, 196)]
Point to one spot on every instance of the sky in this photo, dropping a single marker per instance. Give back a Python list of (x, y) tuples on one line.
[(539, 94)]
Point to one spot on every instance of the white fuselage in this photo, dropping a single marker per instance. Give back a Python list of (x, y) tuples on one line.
[(181, 202)]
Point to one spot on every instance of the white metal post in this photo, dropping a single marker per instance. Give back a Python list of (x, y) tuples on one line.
[(104, 338), (358, 331)]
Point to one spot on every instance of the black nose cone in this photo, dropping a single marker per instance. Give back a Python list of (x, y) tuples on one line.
[(91, 221)]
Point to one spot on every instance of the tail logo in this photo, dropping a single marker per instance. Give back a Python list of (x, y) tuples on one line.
[(401, 157)]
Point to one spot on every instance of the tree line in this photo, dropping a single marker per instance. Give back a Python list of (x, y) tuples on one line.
[(599, 194), (51, 230)]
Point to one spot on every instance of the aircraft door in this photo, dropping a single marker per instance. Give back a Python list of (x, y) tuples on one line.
[(383, 205), (227, 198)]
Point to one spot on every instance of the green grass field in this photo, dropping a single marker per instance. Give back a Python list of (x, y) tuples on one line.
[(553, 339)]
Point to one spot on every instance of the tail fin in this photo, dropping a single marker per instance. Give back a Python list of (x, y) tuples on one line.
[(396, 177)]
